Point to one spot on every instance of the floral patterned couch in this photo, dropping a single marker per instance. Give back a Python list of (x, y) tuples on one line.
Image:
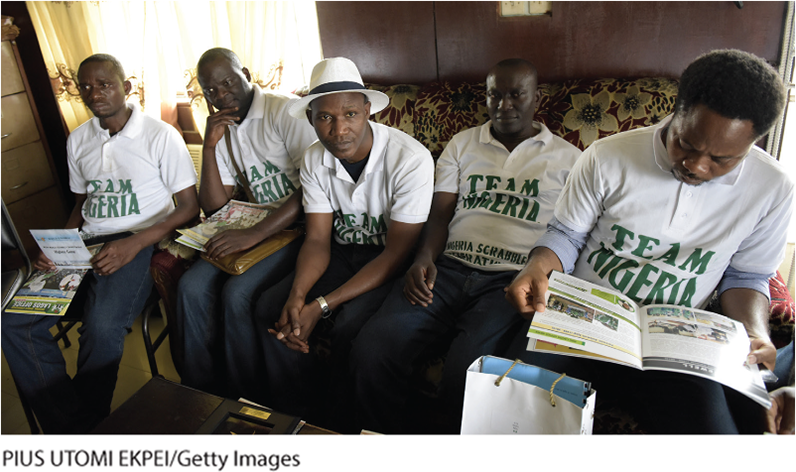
[(580, 111)]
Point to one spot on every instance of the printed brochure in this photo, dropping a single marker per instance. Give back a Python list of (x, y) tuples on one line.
[(234, 215), (64, 247), (587, 320), (51, 292)]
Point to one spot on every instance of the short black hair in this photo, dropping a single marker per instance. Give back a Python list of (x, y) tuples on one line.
[(212, 54), (515, 62), (117, 66), (736, 85)]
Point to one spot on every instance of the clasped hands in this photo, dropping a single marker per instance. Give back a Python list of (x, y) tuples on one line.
[(419, 283), (296, 323)]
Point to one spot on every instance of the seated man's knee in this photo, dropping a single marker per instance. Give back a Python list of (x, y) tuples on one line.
[(13, 323), (374, 347), (237, 300)]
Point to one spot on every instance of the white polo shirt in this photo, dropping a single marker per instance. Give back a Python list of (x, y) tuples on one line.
[(397, 184), (659, 240), (268, 147), (505, 199), (128, 178)]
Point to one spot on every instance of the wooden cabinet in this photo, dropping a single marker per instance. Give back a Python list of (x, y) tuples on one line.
[(30, 187)]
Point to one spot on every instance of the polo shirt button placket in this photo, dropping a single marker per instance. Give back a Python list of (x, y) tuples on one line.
[(685, 206), (107, 156)]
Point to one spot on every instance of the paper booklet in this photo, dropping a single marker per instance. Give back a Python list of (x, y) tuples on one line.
[(234, 215), (587, 320), (51, 292)]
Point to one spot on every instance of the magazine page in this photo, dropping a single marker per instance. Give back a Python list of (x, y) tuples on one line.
[(64, 247), (187, 241), (233, 215), (47, 293), (709, 345), (587, 317)]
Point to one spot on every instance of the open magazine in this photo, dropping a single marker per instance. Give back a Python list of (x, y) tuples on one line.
[(234, 215), (51, 292), (587, 320)]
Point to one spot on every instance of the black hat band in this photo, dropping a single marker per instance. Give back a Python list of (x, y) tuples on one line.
[(336, 87)]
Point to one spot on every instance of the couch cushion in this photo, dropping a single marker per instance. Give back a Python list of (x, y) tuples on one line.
[(444, 109), (399, 113), (580, 111), (584, 110)]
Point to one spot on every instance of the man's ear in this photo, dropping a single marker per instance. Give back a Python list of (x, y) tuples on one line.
[(367, 108), (246, 74), (128, 87), (309, 115), (536, 97)]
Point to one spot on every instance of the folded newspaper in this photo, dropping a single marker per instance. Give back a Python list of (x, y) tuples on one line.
[(587, 320), (51, 292), (234, 215)]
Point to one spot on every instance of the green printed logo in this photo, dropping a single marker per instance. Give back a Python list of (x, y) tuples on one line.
[(483, 254), (361, 229), (269, 184), (124, 203), (507, 202), (631, 277)]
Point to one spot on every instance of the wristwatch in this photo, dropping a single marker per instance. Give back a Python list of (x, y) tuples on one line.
[(324, 307)]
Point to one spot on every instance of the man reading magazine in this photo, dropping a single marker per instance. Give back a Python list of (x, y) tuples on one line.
[(668, 214)]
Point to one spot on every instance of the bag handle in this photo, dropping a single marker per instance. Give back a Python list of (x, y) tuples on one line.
[(500, 379), (553, 400), (552, 387), (241, 176)]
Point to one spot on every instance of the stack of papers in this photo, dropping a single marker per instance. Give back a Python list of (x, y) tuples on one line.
[(234, 215)]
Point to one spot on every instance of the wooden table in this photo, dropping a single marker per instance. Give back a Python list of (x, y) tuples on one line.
[(165, 407)]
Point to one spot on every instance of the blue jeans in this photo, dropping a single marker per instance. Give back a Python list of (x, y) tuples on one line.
[(662, 402), (206, 298), (784, 368), (64, 405), (291, 381), (469, 305)]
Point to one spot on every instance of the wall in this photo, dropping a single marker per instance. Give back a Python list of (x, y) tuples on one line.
[(416, 42), (390, 42)]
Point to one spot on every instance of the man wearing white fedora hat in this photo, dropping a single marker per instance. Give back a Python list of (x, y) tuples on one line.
[(367, 192)]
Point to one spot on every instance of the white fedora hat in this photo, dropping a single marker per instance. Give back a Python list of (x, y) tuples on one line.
[(337, 75)]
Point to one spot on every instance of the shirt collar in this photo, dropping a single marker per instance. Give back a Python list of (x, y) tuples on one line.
[(257, 110), (377, 151), (662, 156), (131, 129), (544, 136)]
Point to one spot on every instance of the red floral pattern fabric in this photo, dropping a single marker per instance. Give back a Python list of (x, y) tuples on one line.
[(444, 109), (580, 111), (584, 110), (399, 114), (782, 311)]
